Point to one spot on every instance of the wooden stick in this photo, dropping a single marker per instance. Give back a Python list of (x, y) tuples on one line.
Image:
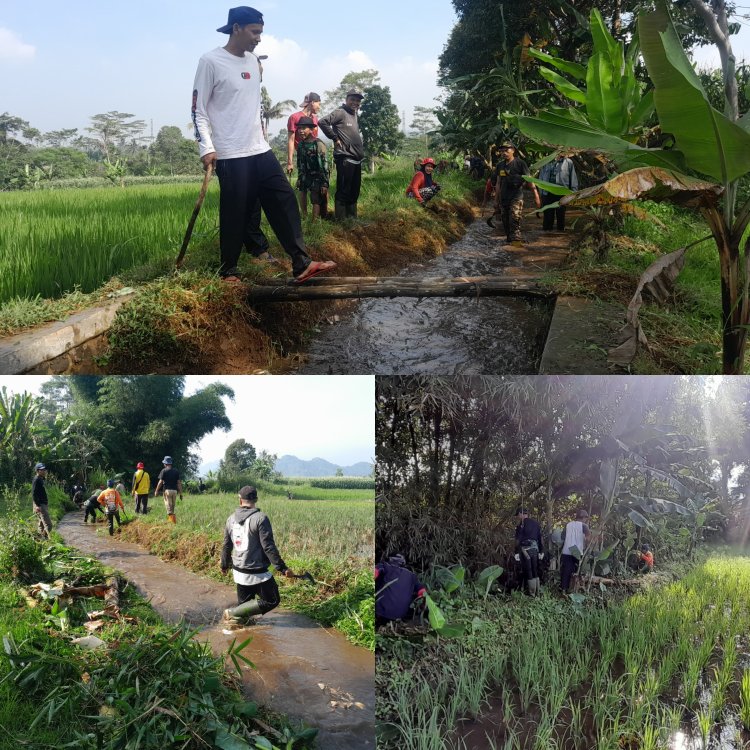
[(196, 211)]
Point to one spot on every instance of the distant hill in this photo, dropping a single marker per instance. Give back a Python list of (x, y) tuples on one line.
[(291, 466)]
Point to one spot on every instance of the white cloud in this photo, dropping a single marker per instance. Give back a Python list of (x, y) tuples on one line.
[(12, 48)]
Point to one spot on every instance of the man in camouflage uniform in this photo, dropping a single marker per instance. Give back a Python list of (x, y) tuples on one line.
[(311, 168), (509, 191)]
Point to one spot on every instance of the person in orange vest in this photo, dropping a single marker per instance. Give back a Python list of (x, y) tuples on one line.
[(111, 501)]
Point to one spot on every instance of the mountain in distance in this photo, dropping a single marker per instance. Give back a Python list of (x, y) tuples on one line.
[(291, 466)]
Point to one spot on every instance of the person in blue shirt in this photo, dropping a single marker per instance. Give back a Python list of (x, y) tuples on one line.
[(396, 590)]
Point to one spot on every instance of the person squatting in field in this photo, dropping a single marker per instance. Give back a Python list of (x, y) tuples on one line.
[(342, 127), (227, 119), (312, 168), (111, 501), (397, 589), (40, 501), (509, 186), (170, 482), (576, 534), (529, 549), (249, 549), (422, 186), (140, 488)]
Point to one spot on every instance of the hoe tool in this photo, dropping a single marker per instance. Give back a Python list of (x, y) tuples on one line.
[(196, 211)]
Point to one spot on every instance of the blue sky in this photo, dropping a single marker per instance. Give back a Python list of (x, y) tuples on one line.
[(61, 64), (308, 416)]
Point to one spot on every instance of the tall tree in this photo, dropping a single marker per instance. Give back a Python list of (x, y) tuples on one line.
[(238, 457), (361, 79), (380, 123), (273, 111), (171, 153), (111, 131)]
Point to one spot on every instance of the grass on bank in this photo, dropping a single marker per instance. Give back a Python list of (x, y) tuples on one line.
[(552, 674), (330, 536), (152, 686), (685, 334)]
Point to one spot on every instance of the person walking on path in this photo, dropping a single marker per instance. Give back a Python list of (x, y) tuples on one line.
[(111, 501), (342, 127), (560, 171), (141, 487), (310, 109), (249, 549), (529, 549), (577, 534), (169, 480), (312, 168), (509, 188), (40, 501), (422, 186), (227, 119)]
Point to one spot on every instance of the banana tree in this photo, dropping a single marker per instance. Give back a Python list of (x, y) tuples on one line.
[(713, 144)]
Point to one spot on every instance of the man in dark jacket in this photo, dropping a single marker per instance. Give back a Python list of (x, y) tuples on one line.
[(342, 127), (248, 550), (40, 501), (509, 186), (529, 548), (396, 589)]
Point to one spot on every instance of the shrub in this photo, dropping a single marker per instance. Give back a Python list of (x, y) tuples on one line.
[(344, 483), (20, 553)]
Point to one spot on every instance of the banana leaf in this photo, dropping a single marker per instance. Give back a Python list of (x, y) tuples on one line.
[(563, 85), (711, 143), (605, 104), (572, 69), (648, 183)]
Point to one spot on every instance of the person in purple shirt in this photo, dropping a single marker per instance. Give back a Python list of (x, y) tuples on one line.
[(396, 588)]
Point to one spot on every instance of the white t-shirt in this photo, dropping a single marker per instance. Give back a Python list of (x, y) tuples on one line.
[(226, 105), (574, 536)]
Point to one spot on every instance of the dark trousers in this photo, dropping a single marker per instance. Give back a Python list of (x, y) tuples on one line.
[(548, 217), (246, 185), (88, 511), (141, 504), (529, 564), (256, 243), (111, 520), (568, 566), (348, 182), (267, 594)]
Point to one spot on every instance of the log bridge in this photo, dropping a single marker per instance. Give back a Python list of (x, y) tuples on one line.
[(359, 287)]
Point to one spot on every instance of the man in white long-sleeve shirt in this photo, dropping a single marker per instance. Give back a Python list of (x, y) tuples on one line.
[(227, 118)]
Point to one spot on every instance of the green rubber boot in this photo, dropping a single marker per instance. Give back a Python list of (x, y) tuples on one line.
[(340, 211), (243, 612)]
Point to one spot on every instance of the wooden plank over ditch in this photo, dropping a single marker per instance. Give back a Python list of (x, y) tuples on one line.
[(353, 287)]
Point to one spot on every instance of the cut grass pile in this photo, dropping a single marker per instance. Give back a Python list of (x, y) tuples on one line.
[(548, 673)]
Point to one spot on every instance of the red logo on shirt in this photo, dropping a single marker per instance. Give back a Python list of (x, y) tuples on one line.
[(246, 76)]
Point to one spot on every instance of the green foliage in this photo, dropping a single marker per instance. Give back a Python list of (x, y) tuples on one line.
[(344, 483), (380, 122), (20, 553), (238, 457)]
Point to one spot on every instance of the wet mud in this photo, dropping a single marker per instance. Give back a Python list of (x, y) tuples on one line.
[(497, 335), (293, 655)]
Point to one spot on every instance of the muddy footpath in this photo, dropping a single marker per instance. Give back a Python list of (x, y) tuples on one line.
[(302, 670)]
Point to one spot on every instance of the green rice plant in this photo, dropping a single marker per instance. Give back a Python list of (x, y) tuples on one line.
[(745, 699), (575, 729), (650, 737), (690, 682), (704, 720)]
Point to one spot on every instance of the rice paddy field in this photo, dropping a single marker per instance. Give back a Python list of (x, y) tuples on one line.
[(665, 669), (54, 241)]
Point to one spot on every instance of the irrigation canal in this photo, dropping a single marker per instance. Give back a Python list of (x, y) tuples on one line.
[(498, 335), (293, 654)]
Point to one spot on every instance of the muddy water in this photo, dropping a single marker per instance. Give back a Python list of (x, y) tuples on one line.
[(440, 335), (293, 655)]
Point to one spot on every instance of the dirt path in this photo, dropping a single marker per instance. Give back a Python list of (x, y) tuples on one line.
[(293, 654)]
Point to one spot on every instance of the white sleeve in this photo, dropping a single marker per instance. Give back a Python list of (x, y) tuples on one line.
[(202, 90)]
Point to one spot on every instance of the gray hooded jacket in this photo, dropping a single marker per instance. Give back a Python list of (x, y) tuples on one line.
[(342, 125), (261, 550)]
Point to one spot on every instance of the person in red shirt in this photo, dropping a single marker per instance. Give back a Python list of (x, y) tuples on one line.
[(646, 559), (310, 108), (423, 187)]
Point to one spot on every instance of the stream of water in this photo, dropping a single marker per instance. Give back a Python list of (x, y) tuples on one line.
[(445, 336)]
